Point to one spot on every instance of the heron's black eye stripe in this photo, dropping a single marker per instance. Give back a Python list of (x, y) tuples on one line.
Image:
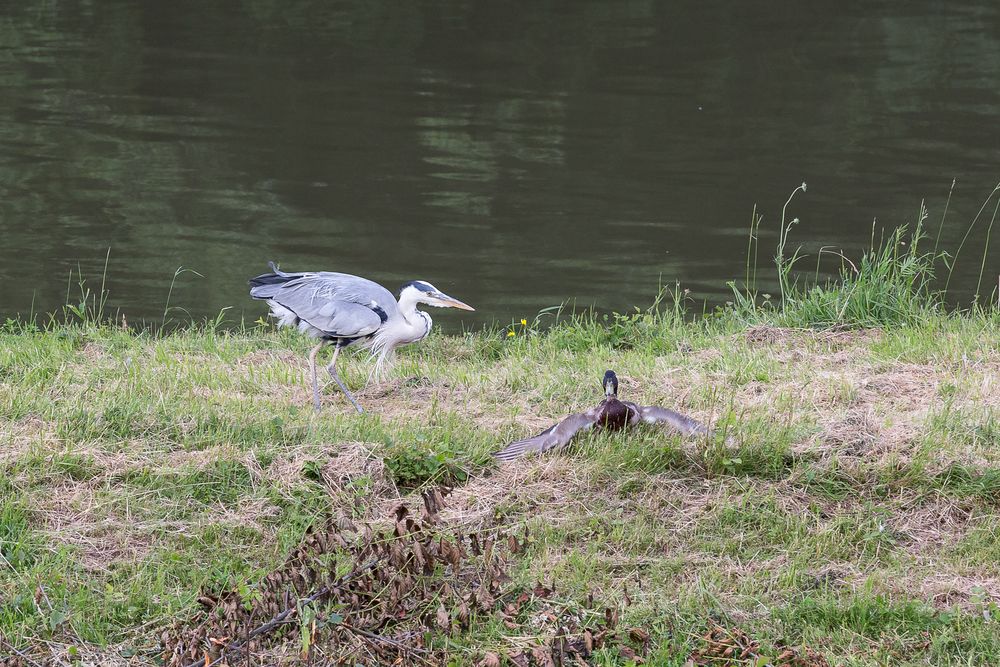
[(419, 284)]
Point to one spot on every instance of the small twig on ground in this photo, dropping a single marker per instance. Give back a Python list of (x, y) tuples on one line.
[(20, 654), (384, 640)]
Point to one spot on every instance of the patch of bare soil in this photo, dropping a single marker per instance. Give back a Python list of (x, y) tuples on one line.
[(103, 529), (413, 398), (22, 434), (354, 477), (834, 339), (266, 357), (72, 515)]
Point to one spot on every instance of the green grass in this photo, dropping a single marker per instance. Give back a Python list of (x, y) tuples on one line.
[(897, 280), (142, 469)]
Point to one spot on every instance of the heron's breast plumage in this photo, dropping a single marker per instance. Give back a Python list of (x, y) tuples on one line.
[(427, 322)]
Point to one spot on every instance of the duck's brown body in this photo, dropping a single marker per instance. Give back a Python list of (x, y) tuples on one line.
[(615, 415)]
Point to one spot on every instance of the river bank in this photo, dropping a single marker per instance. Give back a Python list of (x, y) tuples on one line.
[(847, 502)]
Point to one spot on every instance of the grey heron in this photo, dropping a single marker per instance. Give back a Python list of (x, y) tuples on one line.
[(344, 310), (611, 414)]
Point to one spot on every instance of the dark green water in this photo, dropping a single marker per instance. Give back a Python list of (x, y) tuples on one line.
[(515, 154)]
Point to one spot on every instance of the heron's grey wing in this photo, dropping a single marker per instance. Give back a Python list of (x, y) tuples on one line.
[(334, 304), (557, 435), (342, 318), (652, 414), (325, 286), (345, 287)]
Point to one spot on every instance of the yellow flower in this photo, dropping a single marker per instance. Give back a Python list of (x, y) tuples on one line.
[(510, 333), (524, 322)]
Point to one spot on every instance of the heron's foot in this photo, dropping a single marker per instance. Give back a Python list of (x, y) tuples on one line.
[(350, 397), (343, 388)]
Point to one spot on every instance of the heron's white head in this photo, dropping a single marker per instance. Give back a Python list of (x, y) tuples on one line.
[(420, 291)]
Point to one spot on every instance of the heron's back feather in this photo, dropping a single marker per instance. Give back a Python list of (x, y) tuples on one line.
[(330, 305)]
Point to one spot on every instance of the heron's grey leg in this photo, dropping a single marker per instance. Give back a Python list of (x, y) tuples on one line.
[(312, 366), (332, 369)]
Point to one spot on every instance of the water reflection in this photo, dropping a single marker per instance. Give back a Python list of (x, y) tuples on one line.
[(515, 154)]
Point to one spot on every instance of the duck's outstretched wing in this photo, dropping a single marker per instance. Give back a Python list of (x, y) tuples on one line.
[(554, 437), (652, 414)]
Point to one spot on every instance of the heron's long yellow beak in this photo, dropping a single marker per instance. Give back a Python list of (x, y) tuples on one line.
[(455, 303), (450, 302)]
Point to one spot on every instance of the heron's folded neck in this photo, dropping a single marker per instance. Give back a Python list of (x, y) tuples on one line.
[(408, 308), (416, 321)]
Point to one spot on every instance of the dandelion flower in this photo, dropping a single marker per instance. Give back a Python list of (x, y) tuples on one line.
[(524, 322), (510, 333)]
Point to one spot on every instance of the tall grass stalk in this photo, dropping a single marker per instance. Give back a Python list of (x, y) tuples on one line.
[(745, 299), (892, 283), (170, 291), (89, 308), (944, 215), (785, 266), (986, 249), (753, 243), (954, 259)]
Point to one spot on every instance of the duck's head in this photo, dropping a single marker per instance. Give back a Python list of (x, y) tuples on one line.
[(610, 384)]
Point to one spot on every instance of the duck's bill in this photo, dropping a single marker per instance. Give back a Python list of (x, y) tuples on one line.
[(449, 302)]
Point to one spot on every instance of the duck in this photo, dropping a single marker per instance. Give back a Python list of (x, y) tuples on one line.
[(611, 414)]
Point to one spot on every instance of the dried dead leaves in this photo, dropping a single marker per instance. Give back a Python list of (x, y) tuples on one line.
[(359, 595), (724, 647)]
